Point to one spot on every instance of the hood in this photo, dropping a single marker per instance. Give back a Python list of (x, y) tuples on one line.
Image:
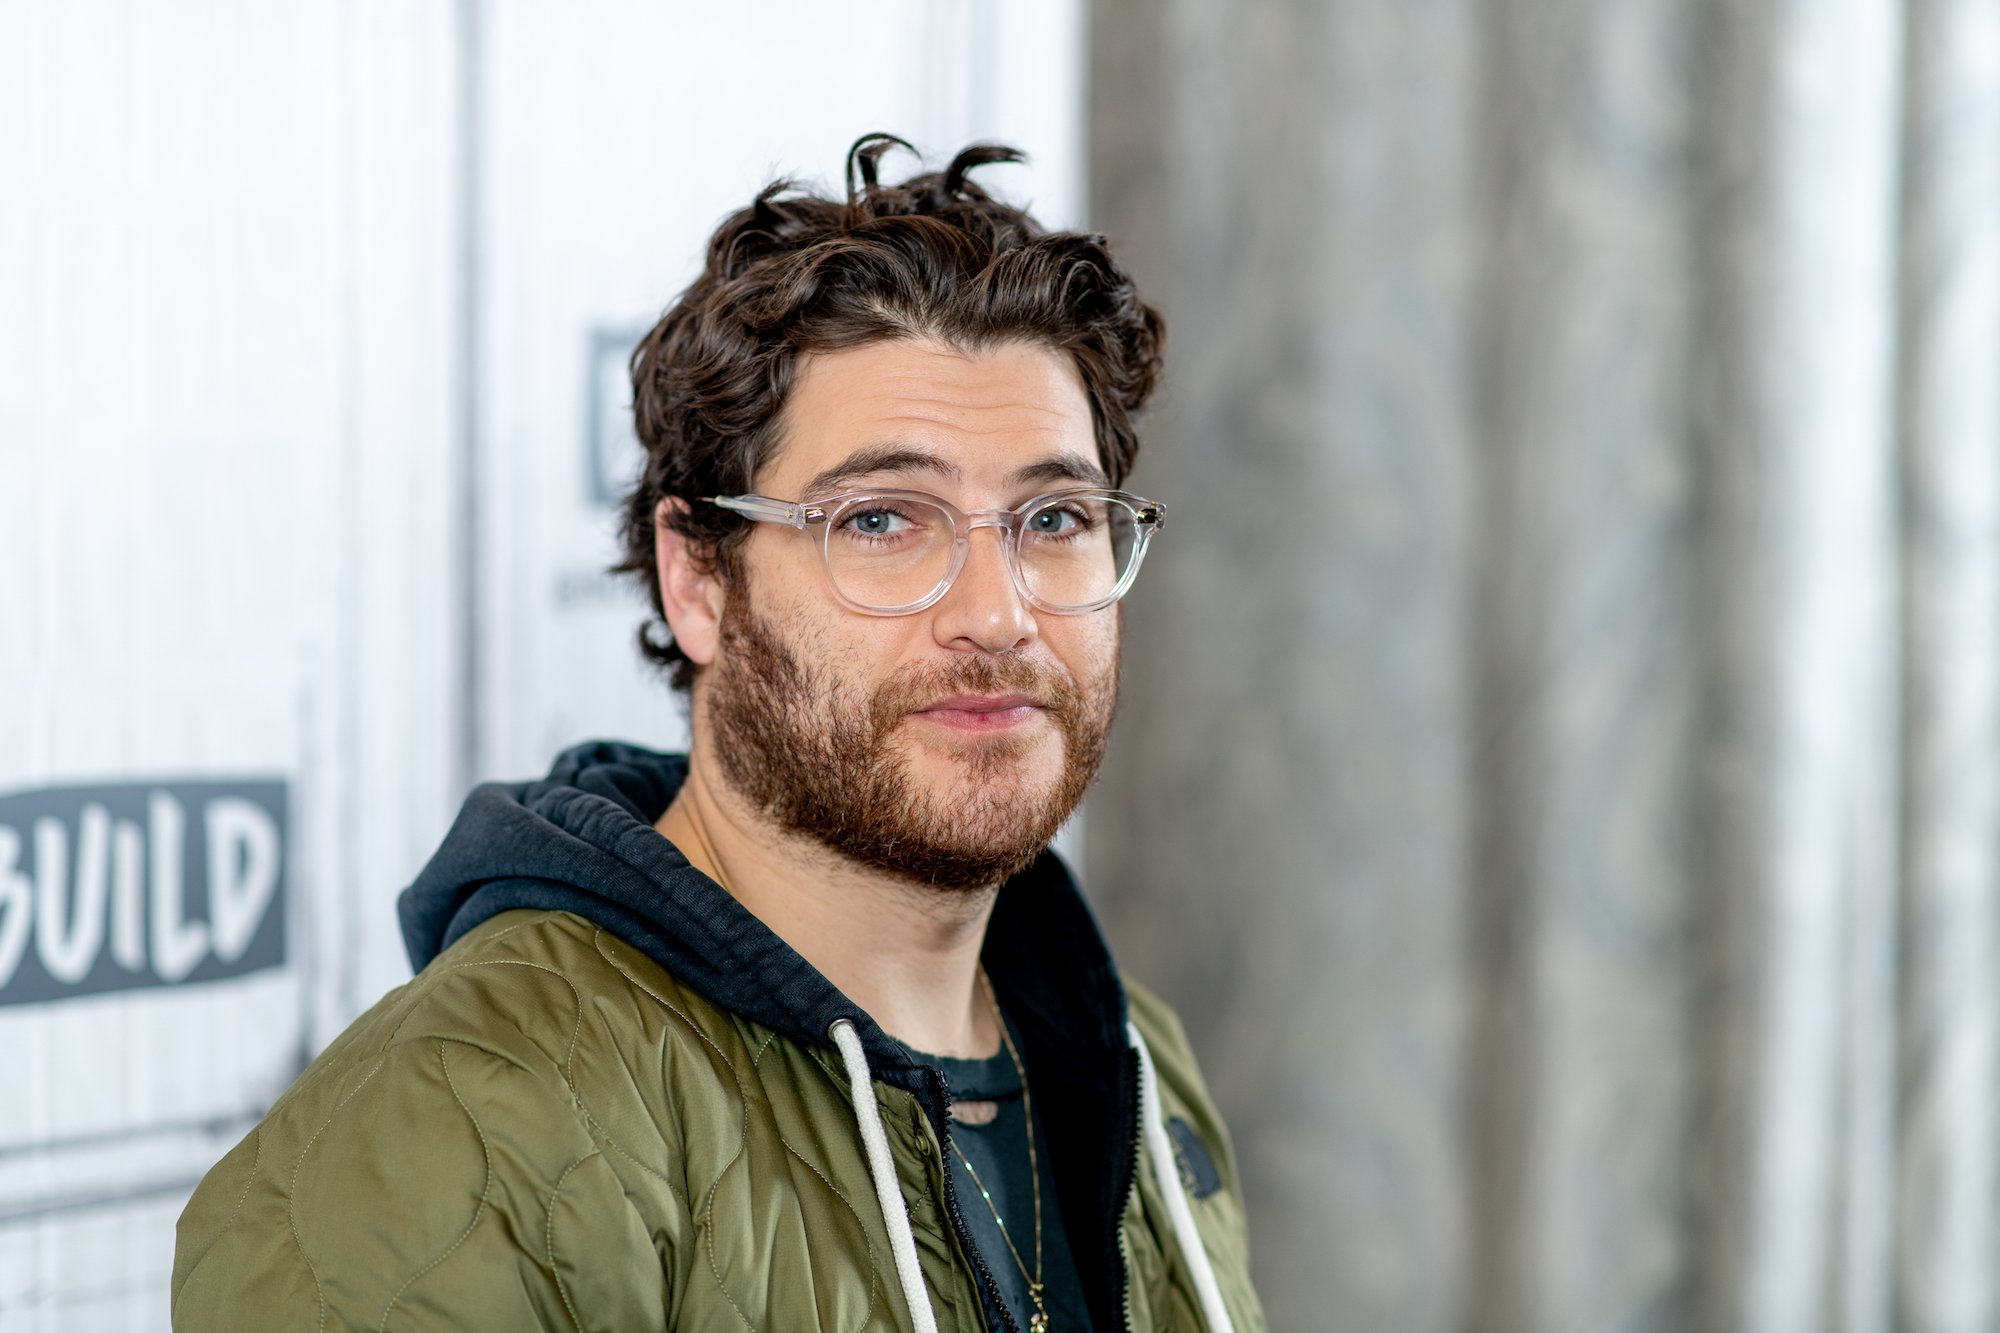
[(582, 840)]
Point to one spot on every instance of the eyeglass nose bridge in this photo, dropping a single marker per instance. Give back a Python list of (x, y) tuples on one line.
[(1008, 522)]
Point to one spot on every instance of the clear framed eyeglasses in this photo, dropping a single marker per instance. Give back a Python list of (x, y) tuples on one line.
[(893, 553)]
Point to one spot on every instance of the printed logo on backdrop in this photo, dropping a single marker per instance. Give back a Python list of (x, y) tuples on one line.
[(132, 886), (613, 444), (612, 457)]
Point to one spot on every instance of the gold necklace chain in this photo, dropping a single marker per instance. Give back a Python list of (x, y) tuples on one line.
[(1040, 1322)]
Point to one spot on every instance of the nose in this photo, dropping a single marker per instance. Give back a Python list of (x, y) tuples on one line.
[(983, 611)]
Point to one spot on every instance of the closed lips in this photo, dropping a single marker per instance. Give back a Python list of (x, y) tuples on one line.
[(980, 703)]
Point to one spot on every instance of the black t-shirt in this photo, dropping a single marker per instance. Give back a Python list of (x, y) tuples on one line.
[(998, 1151)]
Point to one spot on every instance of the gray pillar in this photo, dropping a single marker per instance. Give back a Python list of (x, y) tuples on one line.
[(1277, 839), (1505, 788)]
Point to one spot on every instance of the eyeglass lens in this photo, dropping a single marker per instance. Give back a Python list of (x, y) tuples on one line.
[(887, 552)]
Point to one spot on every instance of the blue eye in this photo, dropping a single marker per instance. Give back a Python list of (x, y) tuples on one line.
[(1058, 521), (876, 522)]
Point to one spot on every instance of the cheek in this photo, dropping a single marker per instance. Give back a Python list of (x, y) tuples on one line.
[(785, 566), (850, 654), (1088, 645)]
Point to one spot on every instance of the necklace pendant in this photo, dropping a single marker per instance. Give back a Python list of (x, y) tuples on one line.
[(1039, 1324)]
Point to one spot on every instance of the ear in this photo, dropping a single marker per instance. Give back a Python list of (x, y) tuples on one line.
[(691, 594)]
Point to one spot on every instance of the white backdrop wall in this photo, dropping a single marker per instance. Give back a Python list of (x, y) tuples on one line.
[(312, 322)]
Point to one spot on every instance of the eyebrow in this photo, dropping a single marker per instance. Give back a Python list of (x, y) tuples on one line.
[(872, 459), (1062, 467)]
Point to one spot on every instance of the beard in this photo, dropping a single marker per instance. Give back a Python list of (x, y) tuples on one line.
[(817, 759)]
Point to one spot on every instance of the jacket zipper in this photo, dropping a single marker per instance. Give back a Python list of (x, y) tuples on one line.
[(980, 1272), (1129, 1186)]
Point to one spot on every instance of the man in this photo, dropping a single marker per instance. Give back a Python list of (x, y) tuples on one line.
[(807, 1029)]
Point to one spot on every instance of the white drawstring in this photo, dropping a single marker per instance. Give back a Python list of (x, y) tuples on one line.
[(1168, 1176), (895, 1210)]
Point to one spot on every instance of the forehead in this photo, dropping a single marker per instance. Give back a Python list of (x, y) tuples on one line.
[(985, 414)]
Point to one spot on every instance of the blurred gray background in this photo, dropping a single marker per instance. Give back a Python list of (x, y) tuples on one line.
[(1558, 766), (1558, 771)]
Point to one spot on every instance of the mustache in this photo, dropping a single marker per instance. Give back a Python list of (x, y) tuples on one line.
[(919, 687)]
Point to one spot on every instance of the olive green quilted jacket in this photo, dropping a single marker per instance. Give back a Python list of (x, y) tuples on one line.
[(547, 1128), (546, 1131)]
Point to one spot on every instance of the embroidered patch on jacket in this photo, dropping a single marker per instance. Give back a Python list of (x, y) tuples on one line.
[(1198, 1171)]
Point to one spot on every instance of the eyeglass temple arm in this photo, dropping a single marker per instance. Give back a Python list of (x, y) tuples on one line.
[(765, 510)]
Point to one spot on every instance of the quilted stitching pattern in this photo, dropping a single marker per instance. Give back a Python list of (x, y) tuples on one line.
[(546, 1130)]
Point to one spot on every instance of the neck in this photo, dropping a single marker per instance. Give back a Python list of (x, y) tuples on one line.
[(907, 953)]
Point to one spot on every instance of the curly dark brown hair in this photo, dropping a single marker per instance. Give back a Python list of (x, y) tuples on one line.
[(935, 257)]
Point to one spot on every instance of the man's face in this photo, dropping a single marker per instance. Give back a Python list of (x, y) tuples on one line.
[(946, 745)]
